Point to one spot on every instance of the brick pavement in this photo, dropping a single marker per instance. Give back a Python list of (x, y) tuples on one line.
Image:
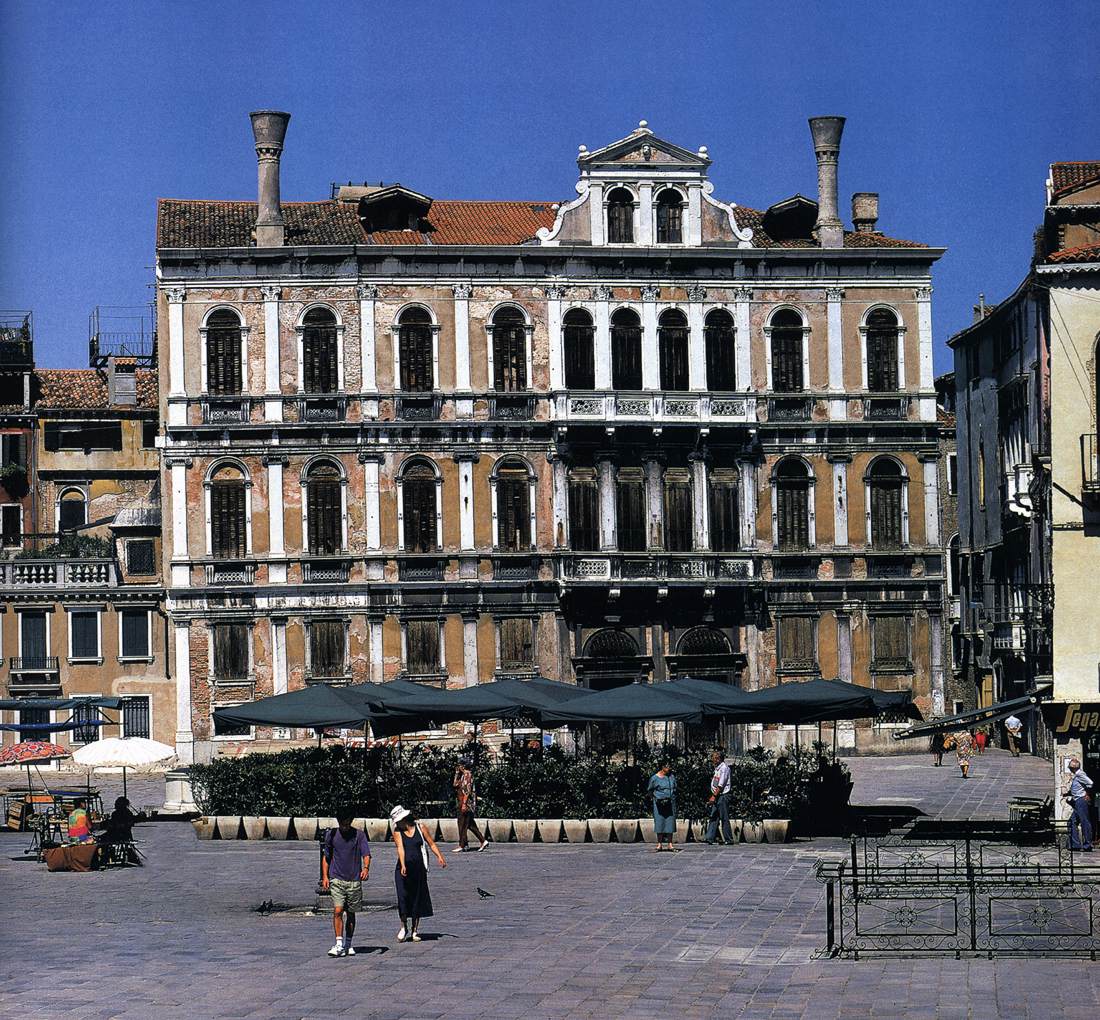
[(571, 932)]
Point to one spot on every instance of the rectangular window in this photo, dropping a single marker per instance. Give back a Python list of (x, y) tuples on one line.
[(890, 642), (517, 643), (84, 635), (513, 516), (328, 649), (87, 730), (319, 359), (83, 435), (11, 524), (33, 636), (227, 520), (787, 361), (725, 521), (231, 658), (139, 556), (12, 449), (148, 435), (136, 721), (72, 512), (630, 508), (422, 647), (228, 729), (135, 633), (882, 361), (797, 644), (952, 474), (584, 512), (30, 716), (679, 520)]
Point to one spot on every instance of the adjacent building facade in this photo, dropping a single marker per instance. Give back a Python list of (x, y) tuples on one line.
[(638, 434)]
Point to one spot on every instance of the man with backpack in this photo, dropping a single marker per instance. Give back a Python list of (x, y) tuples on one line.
[(345, 866)]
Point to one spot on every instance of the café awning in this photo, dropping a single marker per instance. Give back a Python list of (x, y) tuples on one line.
[(977, 716)]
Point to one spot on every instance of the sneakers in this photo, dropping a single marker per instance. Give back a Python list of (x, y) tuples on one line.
[(348, 951), (484, 846), (416, 937), (459, 850), (402, 934), (337, 950)]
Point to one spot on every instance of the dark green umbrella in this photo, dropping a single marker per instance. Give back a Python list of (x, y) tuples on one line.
[(636, 702)]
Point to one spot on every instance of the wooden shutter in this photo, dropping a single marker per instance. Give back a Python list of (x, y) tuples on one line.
[(227, 522), (513, 511), (419, 509), (626, 354), (324, 510), (135, 633), (580, 354), (725, 523), (223, 360), (84, 635), (673, 351), (630, 505), (73, 513), (509, 352), (885, 514), (327, 648), (670, 221), (679, 522), (797, 648), (891, 641), (793, 514), (517, 648), (882, 352), (12, 451), (720, 353), (32, 636), (422, 647), (787, 360), (11, 525), (416, 358), (620, 222), (584, 514), (319, 369)]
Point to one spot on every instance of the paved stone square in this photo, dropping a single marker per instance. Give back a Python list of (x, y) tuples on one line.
[(592, 931)]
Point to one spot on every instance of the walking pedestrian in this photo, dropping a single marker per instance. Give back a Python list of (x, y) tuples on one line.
[(345, 866), (662, 788), (466, 807), (980, 739), (414, 899), (936, 748), (1013, 729), (1079, 796), (964, 749), (719, 800)]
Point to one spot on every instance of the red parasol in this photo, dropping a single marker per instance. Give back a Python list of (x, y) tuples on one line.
[(32, 752)]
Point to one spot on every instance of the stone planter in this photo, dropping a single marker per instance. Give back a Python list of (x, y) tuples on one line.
[(738, 826), (683, 831), (448, 830), (229, 826), (500, 829), (777, 829), (305, 828), (575, 829), (649, 830), (430, 826), (524, 829), (205, 826), (325, 823), (550, 830), (699, 830), (359, 823), (626, 829), (278, 828), (378, 830), (254, 826), (599, 829), (754, 832)]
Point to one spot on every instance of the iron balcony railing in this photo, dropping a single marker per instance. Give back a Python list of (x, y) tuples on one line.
[(34, 664)]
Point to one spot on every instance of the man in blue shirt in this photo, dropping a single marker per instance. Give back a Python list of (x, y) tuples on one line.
[(344, 868), (1080, 826)]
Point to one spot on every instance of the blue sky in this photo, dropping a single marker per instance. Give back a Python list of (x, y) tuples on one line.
[(955, 111)]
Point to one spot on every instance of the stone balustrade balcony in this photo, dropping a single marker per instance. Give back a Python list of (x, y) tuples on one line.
[(652, 567), (60, 573)]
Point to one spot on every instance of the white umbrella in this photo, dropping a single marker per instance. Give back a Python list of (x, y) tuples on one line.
[(122, 752)]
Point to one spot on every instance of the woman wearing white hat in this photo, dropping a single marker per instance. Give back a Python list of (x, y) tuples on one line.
[(414, 900)]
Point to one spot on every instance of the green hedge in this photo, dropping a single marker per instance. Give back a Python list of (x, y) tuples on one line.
[(522, 782)]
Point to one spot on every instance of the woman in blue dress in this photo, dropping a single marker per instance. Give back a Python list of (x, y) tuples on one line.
[(662, 788)]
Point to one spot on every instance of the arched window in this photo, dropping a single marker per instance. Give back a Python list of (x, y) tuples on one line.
[(584, 510), (610, 644), (704, 641), (792, 497), (228, 535), (626, 350), (953, 563), (882, 351), (725, 520), (513, 507), (415, 337), (721, 362), (580, 354), (670, 217), (320, 371), (679, 516), (223, 353), (72, 510), (509, 351), (620, 217), (786, 351), (418, 494), (672, 349), (885, 482), (324, 509)]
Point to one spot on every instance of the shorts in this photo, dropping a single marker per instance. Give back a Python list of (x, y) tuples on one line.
[(348, 895)]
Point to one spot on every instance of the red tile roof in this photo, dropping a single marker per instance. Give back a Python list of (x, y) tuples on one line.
[(81, 389), (1085, 253), (1069, 176), (203, 224)]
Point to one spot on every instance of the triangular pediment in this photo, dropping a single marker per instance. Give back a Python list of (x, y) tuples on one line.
[(643, 147)]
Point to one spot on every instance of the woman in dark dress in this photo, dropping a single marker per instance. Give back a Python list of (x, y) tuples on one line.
[(414, 899)]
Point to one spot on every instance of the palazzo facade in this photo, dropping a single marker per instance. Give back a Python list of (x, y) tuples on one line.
[(638, 434)]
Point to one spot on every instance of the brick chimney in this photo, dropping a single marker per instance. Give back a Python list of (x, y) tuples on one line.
[(269, 130), (826, 132), (865, 211)]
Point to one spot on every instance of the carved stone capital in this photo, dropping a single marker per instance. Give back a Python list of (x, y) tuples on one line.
[(923, 293), (650, 292), (742, 293), (175, 295), (466, 455), (834, 293), (366, 292), (602, 293), (557, 292), (697, 293), (462, 291), (370, 458), (275, 458), (178, 462), (271, 292)]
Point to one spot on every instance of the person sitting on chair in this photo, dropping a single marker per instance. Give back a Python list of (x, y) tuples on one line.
[(80, 825), (120, 830)]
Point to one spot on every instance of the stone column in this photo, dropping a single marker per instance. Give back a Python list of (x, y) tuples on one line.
[(467, 563), (185, 737), (372, 512), (469, 650), (279, 681), (554, 297), (924, 330), (840, 464), (651, 366), (935, 627), (177, 383), (595, 212), (377, 661), (181, 567), (368, 368), (561, 500), (276, 572), (931, 466), (603, 337), (273, 404), (838, 406), (608, 520), (748, 504), (697, 350), (655, 496), (693, 232), (700, 502), (742, 315), (645, 231), (464, 403), (845, 730)]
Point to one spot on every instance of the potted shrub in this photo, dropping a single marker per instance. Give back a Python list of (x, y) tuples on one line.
[(13, 477), (752, 818), (776, 821), (576, 829)]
